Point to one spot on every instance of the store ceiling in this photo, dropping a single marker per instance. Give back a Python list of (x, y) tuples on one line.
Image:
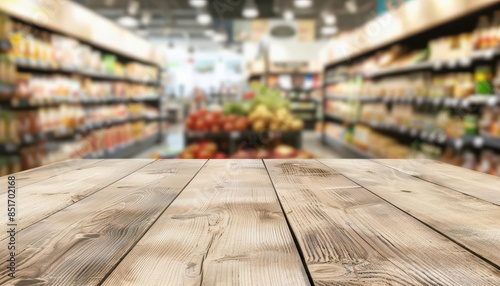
[(174, 19)]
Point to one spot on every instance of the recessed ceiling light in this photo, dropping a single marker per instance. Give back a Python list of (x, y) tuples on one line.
[(250, 9), (198, 3), (329, 30), (128, 22), (204, 18), (330, 19), (288, 15), (351, 6), (302, 3)]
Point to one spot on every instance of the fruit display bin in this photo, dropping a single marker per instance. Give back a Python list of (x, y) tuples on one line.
[(233, 141)]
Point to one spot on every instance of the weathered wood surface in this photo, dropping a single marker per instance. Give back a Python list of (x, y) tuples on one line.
[(221, 222), (82, 243), (39, 200), (471, 222), (28, 177), (349, 236), (226, 228), (472, 183)]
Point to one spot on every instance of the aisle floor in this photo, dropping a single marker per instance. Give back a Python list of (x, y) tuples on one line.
[(174, 142)]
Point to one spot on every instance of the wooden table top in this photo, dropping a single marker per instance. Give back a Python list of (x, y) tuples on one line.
[(254, 222)]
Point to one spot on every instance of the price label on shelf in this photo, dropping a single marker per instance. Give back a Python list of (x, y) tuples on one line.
[(478, 142), (465, 62), (403, 129), (436, 101), (437, 65), (489, 54), (414, 132), (432, 136), (441, 138), (459, 143), (420, 101), (452, 64), (235, 135), (492, 101)]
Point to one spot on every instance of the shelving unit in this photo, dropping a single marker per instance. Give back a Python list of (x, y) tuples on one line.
[(12, 101), (355, 68)]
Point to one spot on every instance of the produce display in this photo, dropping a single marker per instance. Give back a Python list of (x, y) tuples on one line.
[(210, 150), (202, 150), (279, 152), (205, 121)]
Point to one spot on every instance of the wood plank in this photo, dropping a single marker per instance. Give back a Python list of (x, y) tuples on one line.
[(226, 228), (472, 183), (28, 177), (473, 223), (349, 236), (80, 244), (39, 200)]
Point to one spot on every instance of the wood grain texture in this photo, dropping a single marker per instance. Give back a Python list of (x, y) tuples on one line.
[(472, 222), (351, 237), (472, 183), (226, 228), (28, 177), (80, 244), (39, 200)]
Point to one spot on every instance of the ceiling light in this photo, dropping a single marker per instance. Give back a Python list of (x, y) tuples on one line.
[(250, 9), (198, 3), (329, 30), (204, 18), (330, 19), (128, 22), (351, 6), (288, 15), (133, 7), (209, 33), (109, 3), (146, 18), (302, 3)]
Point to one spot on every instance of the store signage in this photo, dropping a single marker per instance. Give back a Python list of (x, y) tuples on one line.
[(283, 31)]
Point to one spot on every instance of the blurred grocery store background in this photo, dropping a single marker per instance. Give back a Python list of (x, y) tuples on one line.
[(249, 79)]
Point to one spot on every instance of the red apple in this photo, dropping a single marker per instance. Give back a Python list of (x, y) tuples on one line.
[(228, 127), (215, 129), (241, 124), (210, 120), (200, 125), (231, 118), (220, 156)]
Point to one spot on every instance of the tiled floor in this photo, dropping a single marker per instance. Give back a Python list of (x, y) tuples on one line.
[(175, 142)]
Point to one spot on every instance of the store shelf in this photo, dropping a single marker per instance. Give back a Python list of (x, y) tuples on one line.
[(67, 134), (6, 90), (489, 100), (5, 45), (54, 101), (126, 150), (48, 68)]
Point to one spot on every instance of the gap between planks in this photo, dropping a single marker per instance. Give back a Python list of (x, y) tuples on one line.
[(80, 244), (452, 270)]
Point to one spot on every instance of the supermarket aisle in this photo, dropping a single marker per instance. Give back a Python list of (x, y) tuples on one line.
[(174, 143), (311, 141)]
